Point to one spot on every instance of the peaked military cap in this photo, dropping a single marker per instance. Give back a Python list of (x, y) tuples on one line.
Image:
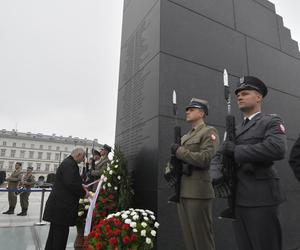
[(31, 168), (106, 147), (96, 152), (251, 83), (198, 103)]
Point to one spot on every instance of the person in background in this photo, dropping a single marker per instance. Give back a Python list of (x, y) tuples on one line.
[(13, 181), (27, 182)]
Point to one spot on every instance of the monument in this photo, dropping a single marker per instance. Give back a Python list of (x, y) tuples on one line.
[(185, 45)]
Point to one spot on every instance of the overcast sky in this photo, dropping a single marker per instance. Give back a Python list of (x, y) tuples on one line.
[(59, 64)]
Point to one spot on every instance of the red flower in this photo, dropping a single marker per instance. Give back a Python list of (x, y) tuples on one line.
[(110, 196), (99, 246), (112, 241), (90, 248), (117, 222), (117, 231), (109, 233), (104, 200), (126, 240), (92, 234), (133, 237), (125, 227), (107, 227), (110, 207)]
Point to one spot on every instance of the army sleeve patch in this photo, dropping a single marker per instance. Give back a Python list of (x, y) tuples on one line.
[(282, 128), (213, 137)]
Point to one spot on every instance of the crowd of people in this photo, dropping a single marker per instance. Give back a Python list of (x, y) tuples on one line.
[(260, 141)]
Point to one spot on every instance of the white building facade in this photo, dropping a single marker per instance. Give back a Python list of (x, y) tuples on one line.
[(42, 152)]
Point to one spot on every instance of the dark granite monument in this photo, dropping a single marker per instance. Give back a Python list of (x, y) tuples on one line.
[(185, 45)]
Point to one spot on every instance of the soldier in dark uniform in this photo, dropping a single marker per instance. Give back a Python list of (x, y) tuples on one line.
[(260, 140), (27, 182), (13, 181), (295, 158), (196, 193)]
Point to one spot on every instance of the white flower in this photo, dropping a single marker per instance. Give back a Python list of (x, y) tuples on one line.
[(124, 216), (156, 224), (86, 201), (110, 172), (117, 214), (149, 212), (80, 213), (148, 240), (136, 217), (143, 233), (133, 224), (104, 187), (116, 188), (105, 179), (144, 224), (116, 166), (152, 217), (110, 216), (119, 177), (81, 201), (128, 221), (86, 207), (117, 160), (108, 184), (134, 230), (108, 168), (146, 218), (153, 233)]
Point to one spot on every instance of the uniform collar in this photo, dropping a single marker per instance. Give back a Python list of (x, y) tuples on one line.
[(252, 116)]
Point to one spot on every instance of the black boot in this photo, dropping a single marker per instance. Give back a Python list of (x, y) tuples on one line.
[(23, 213), (11, 210)]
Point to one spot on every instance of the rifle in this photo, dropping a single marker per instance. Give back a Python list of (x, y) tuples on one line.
[(173, 170), (229, 165)]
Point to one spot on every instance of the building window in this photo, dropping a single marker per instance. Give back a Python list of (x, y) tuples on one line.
[(14, 144), (38, 166), (41, 147), (55, 167), (23, 145), (1, 164), (22, 154), (47, 167), (3, 150), (49, 147), (12, 153), (10, 165), (4, 143), (48, 156), (57, 156), (40, 155), (32, 145), (31, 154), (66, 148), (57, 148)]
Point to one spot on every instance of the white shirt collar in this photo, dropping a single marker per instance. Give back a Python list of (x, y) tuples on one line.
[(252, 116)]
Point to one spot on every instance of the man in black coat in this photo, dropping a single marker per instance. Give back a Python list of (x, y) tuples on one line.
[(260, 140), (295, 158), (62, 205)]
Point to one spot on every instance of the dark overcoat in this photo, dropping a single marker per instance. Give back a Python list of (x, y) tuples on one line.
[(62, 205), (259, 143), (294, 159)]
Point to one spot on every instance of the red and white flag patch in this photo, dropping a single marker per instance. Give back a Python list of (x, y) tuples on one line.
[(213, 137), (282, 128)]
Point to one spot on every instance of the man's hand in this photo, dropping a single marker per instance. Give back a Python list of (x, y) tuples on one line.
[(228, 148), (174, 148)]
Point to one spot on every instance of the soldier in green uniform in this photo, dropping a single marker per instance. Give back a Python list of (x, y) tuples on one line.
[(13, 181), (196, 193), (100, 162), (27, 181)]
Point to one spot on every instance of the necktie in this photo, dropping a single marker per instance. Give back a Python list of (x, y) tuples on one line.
[(246, 121)]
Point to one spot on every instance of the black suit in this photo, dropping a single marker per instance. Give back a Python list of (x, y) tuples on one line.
[(62, 205), (258, 144), (295, 158)]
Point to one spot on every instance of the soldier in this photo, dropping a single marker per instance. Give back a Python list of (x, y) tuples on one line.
[(13, 181), (101, 161), (196, 193), (27, 181), (260, 140), (294, 160)]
